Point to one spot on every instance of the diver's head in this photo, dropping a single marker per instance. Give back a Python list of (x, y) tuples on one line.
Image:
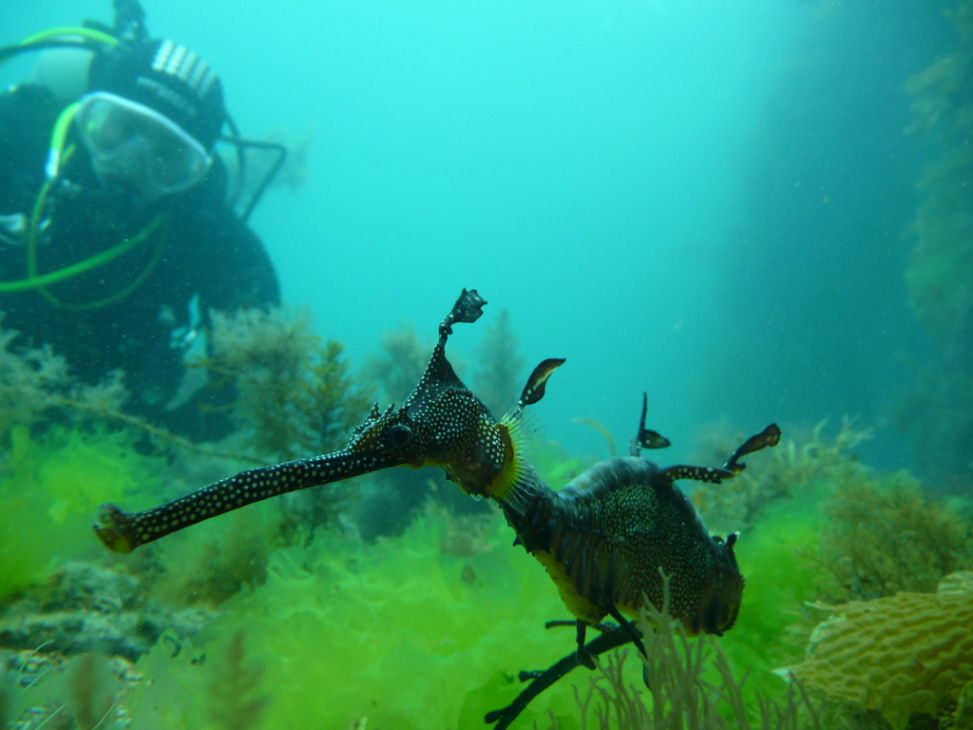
[(151, 116)]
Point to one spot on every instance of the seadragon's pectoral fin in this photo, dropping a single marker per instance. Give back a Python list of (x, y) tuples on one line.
[(769, 437)]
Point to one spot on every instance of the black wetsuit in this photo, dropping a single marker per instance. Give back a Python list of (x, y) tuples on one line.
[(200, 249)]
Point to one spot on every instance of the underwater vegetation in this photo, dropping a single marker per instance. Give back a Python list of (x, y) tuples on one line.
[(35, 382), (499, 368), (401, 633), (429, 628), (293, 394), (896, 654), (826, 528), (886, 535), (687, 684), (940, 267), (875, 533), (800, 464), (398, 364), (63, 449), (294, 391), (942, 260), (241, 623), (48, 486)]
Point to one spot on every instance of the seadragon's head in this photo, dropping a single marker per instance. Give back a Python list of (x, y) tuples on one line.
[(442, 423)]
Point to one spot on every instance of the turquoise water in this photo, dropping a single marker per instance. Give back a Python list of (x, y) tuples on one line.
[(621, 176), (712, 202), (588, 166)]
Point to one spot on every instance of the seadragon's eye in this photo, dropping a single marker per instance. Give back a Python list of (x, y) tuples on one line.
[(398, 437)]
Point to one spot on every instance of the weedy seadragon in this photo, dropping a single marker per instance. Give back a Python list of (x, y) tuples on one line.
[(609, 539)]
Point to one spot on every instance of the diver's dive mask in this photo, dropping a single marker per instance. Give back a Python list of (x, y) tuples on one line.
[(139, 146)]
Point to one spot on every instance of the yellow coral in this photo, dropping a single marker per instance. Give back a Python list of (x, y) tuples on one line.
[(899, 655)]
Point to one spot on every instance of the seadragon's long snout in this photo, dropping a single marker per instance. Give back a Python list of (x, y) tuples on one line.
[(122, 532)]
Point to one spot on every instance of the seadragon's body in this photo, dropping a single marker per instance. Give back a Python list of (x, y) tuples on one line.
[(608, 539), (604, 537)]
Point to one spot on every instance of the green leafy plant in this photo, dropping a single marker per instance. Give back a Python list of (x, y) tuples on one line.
[(688, 684), (293, 389), (885, 535), (398, 364)]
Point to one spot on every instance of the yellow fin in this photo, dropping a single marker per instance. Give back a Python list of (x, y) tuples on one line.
[(515, 435)]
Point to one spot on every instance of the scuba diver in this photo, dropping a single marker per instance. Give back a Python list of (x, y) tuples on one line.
[(118, 234)]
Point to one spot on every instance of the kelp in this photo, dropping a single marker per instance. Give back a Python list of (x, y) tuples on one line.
[(940, 265)]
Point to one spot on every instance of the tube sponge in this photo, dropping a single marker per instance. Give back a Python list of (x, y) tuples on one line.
[(900, 655)]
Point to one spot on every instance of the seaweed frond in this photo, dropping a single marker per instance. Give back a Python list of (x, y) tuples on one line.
[(236, 699), (691, 686), (399, 364), (293, 389), (612, 451), (496, 380), (887, 535)]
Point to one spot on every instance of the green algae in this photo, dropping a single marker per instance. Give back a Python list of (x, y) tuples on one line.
[(777, 560), (396, 633), (207, 566), (50, 486)]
